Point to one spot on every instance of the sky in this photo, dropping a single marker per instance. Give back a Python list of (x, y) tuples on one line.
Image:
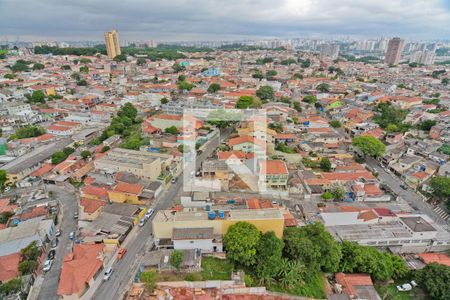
[(174, 20)]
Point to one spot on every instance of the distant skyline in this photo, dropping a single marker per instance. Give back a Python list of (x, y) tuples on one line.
[(187, 20)]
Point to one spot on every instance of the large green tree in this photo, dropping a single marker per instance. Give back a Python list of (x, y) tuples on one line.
[(128, 110), (441, 187), (265, 93), (213, 88), (3, 180), (310, 99), (435, 279), (38, 96), (240, 242), (248, 102), (313, 246), (176, 259), (369, 145)]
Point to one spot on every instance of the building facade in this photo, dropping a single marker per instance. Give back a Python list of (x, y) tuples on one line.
[(112, 43)]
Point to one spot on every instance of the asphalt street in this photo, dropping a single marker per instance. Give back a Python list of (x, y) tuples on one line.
[(68, 204), (415, 200), (126, 268)]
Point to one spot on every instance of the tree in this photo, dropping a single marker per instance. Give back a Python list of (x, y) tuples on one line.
[(313, 246), (389, 114), (75, 76), (327, 196), (85, 60), (176, 259), (38, 96), (310, 99), (369, 145), (11, 287), (140, 61), (185, 86), (435, 278), (297, 106), (120, 57), (181, 78), (426, 125), (149, 280), (104, 149), (325, 164), (173, 130), (269, 251), (265, 93), (82, 82), (338, 192), (178, 68), (20, 67), (271, 74), (323, 87), (445, 81), (27, 267), (335, 123), (68, 150), (84, 69), (292, 272), (306, 63), (441, 187), (3, 180), (129, 111), (240, 243), (31, 252), (9, 76), (38, 66), (213, 88), (245, 102), (65, 67), (258, 75), (85, 154), (27, 132), (58, 157)]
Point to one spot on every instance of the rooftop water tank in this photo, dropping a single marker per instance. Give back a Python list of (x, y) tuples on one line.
[(221, 214), (211, 215)]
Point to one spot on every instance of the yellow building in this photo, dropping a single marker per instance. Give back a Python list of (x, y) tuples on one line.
[(269, 219), (112, 43)]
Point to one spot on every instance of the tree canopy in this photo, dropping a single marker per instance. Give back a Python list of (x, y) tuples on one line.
[(248, 102), (435, 279), (369, 145), (28, 132), (240, 242), (265, 93), (176, 259), (441, 187), (213, 88), (389, 114), (310, 99), (3, 180)]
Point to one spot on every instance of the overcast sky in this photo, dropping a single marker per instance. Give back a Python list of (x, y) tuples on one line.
[(170, 20)]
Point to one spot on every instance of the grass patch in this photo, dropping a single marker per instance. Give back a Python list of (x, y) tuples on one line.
[(216, 269), (390, 292), (313, 287)]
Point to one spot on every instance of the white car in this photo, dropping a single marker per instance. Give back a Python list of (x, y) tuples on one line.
[(149, 213), (107, 274), (47, 265), (404, 287), (142, 221)]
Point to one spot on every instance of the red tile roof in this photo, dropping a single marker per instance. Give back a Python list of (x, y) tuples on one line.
[(440, 258), (129, 188), (348, 281), (9, 266), (91, 205), (43, 170), (97, 191), (6, 206), (274, 167), (79, 267)]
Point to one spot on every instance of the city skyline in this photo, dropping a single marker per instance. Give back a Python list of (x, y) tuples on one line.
[(215, 20)]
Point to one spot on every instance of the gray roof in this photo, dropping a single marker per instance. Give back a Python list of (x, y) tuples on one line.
[(417, 224), (201, 233)]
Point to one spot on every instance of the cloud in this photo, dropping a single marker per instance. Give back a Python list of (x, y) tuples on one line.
[(225, 19)]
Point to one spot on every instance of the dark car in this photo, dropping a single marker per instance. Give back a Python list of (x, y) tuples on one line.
[(403, 186), (51, 254)]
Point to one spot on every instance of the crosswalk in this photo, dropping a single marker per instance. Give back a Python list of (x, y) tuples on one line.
[(441, 213)]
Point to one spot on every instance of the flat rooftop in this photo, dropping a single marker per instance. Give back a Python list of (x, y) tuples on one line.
[(417, 224), (238, 215), (392, 230)]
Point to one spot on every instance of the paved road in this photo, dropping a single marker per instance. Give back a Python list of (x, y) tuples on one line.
[(415, 200), (69, 205), (138, 243)]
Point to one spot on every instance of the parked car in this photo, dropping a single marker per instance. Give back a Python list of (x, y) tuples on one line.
[(51, 254), (142, 221), (58, 233), (121, 253), (149, 213), (404, 287), (414, 283), (107, 274), (72, 235), (47, 265), (403, 186), (54, 243), (174, 180), (75, 215)]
